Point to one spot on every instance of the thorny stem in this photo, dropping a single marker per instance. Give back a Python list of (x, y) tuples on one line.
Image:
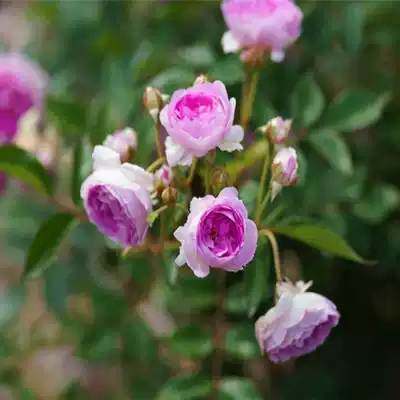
[(218, 336), (261, 187), (160, 161), (249, 92)]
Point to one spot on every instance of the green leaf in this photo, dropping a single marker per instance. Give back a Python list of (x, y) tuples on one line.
[(238, 389), (248, 194), (229, 70), (241, 342), (82, 165), (256, 276), (320, 238), (191, 341), (188, 387), (377, 203), (307, 101), (333, 148), (172, 79), (354, 109), (10, 303), (198, 56), (46, 242), (24, 166)]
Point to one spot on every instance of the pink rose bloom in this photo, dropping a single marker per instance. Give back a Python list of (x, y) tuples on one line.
[(198, 120), (297, 325), (164, 175), (123, 142), (217, 234), (22, 86), (269, 25), (117, 197)]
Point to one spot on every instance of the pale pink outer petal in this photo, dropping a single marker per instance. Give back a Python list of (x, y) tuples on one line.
[(177, 154), (229, 43), (277, 56), (104, 157), (228, 192), (232, 140), (138, 175), (198, 205)]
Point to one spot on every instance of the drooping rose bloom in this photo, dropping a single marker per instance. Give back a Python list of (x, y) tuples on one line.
[(217, 234), (117, 197), (297, 325), (22, 86), (267, 25), (123, 142), (198, 120)]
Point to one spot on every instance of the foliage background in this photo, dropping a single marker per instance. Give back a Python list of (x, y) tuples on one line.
[(73, 322)]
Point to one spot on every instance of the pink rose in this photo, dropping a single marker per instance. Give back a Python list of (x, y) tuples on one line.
[(117, 197), (198, 120), (22, 86), (217, 234), (269, 25), (297, 325)]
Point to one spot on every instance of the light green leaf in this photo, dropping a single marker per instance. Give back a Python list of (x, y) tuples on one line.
[(377, 203), (354, 109), (241, 342), (187, 387), (238, 389), (229, 70), (307, 101), (333, 148), (172, 79), (248, 194), (191, 341), (10, 303), (198, 56), (46, 242), (24, 166), (320, 238)]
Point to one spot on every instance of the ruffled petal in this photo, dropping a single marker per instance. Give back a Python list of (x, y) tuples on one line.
[(229, 43), (177, 154), (232, 140), (104, 157)]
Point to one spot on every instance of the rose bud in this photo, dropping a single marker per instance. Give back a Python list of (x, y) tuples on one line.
[(153, 101), (124, 142), (297, 325), (163, 176), (277, 129)]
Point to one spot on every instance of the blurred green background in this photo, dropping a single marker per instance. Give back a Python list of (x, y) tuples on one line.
[(72, 333)]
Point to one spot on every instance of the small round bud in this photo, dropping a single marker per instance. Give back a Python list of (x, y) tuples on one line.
[(124, 142), (153, 101), (220, 179), (277, 129), (284, 167), (202, 78), (169, 195)]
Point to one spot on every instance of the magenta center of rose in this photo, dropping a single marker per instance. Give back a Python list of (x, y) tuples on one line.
[(195, 106), (221, 232)]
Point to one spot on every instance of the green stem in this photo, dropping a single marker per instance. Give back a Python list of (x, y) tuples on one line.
[(192, 172), (182, 207), (158, 163), (263, 205), (249, 93), (261, 187), (207, 177)]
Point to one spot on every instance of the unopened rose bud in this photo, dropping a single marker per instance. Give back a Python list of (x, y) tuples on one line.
[(163, 176), (169, 195), (284, 167), (202, 78), (277, 129), (220, 179), (124, 142), (153, 101)]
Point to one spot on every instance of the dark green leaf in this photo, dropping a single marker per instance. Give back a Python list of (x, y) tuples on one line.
[(333, 148), (320, 238), (377, 203), (82, 165), (354, 109), (191, 341), (188, 387), (241, 343), (307, 101), (238, 389), (24, 166), (46, 242)]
